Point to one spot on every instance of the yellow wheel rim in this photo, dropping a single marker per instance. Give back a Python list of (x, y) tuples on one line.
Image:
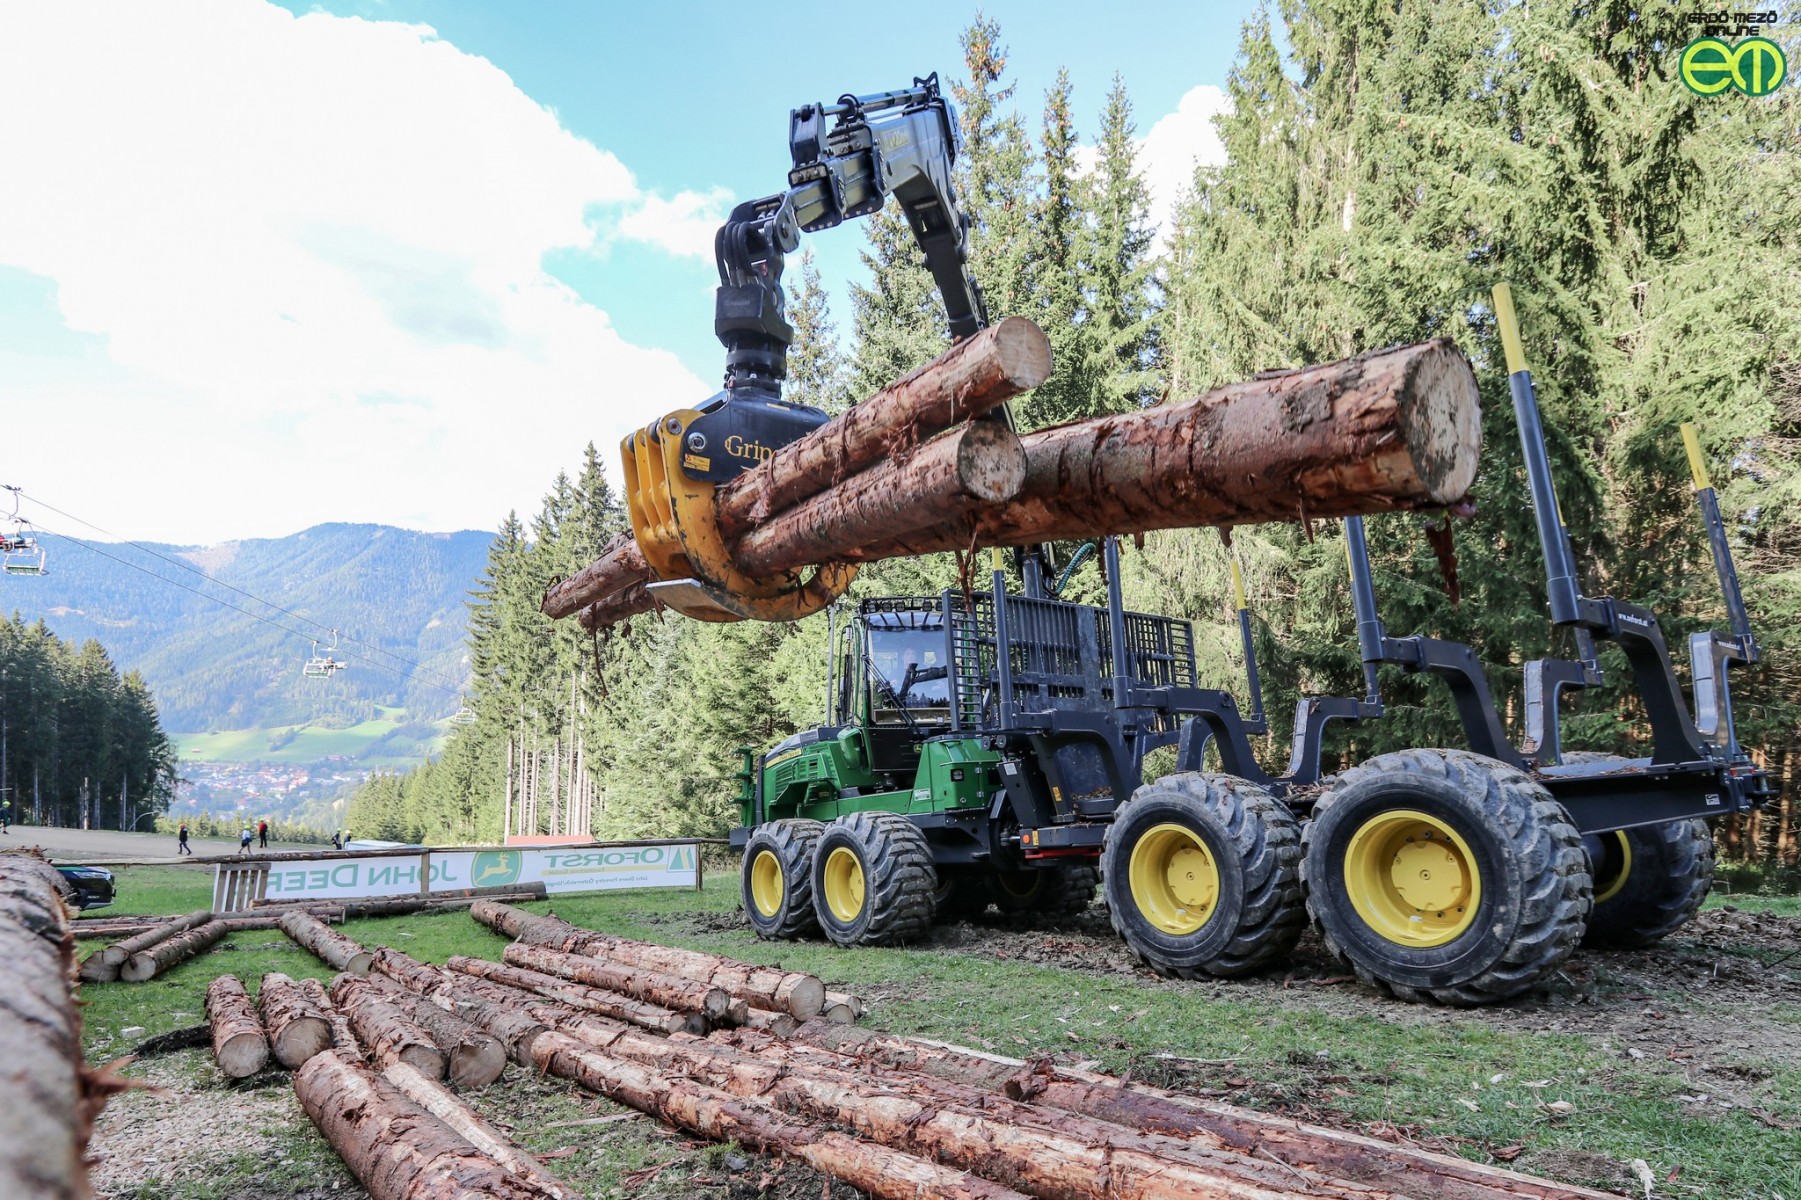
[(1019, 885), (1174, 880), (766, 887), (1412, 878), (1608, 887), (844, 884)]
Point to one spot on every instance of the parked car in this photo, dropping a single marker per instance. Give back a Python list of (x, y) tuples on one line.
[(89, 887)]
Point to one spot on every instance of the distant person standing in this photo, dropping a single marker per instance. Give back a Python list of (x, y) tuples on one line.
[(244, 841), (181, 840), (337, 840), (6, 817), (262, 833)]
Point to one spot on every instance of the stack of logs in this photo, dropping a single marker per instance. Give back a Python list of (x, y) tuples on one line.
[(917, 468)]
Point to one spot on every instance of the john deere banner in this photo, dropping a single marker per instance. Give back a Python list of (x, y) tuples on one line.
[(559, 869)]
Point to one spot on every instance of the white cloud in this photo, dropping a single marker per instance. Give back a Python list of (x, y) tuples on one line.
[(684, 224), (312, 251), (1168, 153)]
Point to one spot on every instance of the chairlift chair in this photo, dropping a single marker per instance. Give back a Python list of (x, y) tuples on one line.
[(20, 553), (463, 716), (323, 666)]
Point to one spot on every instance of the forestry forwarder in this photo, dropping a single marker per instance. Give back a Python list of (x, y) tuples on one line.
[(990, 748), (900, 143)]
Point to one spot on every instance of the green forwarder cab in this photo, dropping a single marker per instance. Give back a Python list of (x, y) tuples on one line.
[(977, 751)]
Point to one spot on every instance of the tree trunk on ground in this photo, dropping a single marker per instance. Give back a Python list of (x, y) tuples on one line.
[(714, 1114), (842, 1008), (764, 987), (575, 995), (395, 1148), (1328, 1151), (472, 1059), (343, 1037), (298, 1028), (389, 1033), (239, 1045), (102, 966), (956, 473), (1395, 429), (779, 1024), (328, 945), (438, 1100), (44, 1134), (515, 1029), (975, 376), (148, 964), (670, 991)]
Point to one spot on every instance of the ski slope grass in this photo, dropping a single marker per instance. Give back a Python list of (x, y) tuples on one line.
[(303, 743)]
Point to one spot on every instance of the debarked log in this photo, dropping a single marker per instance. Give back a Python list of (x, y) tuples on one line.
[(239, 1045)]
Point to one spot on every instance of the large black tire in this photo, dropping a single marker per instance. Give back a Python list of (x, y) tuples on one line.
[(873, 880), (1513, 881), (1202, 875), (1648, 882), (776, 879), (1055, 892)]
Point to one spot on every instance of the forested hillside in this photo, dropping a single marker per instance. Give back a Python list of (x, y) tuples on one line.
[(1380, 180), (400, 594), (78, 741)]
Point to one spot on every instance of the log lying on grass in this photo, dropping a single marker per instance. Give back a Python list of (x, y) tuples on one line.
[(974, 377), (397, 1149), (436, 1099), (103, 965), (779, 1024), (715, 1114), (239, 1045), (331, 947), (472, 1059), (842, 1008), (1350, 1156), (454, 994), (43, 1136), (299, 1027), (153, 961), (670, 991), (578, 996), (390, 1034), (792, 992)]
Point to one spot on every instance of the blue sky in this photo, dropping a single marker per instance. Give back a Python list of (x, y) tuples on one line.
[(260, 269)]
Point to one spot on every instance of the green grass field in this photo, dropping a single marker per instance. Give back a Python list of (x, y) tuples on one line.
[(301, 743), (1567, 1103)]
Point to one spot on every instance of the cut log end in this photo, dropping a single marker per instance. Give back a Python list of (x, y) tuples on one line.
[(1024, 352), (1442, 411), (803, 995)]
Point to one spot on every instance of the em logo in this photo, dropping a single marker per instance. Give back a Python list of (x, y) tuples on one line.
[(1755, 66)]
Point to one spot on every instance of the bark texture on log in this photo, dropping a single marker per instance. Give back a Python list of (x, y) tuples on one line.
[(604, 614), (954, 474), (713, 1113), (1394, 429), (102, 966), (515, 1028), (298, 1027), (472, 1059), (577, 996), (239, 1045), (328, 945), (438, 1100), (670, 991), (389, 1033), (975, 376), (1344, 1155), (149, 963), (765, 987), (780, 1024), (395, 1148), (44, 1134), (343, 1037)]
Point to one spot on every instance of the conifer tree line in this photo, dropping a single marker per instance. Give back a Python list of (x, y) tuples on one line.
[(79, 742), (1381, 175)]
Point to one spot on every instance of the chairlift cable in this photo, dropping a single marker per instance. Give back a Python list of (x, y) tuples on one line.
[(187, 566)]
